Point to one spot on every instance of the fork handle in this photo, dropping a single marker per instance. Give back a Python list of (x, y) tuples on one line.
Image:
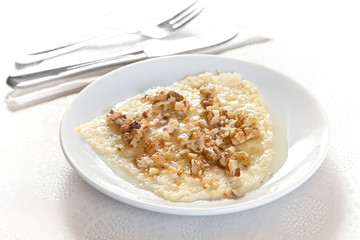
[(52, 76), (38, 57)]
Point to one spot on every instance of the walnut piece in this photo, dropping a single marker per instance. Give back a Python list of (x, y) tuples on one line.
[(207, 89), (243, 158), (169, 101), (159, 96), (181, 106), (171, 126), (233, 168), (207, 102), (176, 95), (132, 130), (156, 142), (159, 158), (153, 171), (237, 136), (197, 167), (135, 132), (114, 116), (212, 116), (143, 162), (251, 132), (212, 154), (163, 96)]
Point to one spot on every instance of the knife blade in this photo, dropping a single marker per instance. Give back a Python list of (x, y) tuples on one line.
[(155, 48)]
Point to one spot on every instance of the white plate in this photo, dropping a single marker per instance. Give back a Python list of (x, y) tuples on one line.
[(305, 124)]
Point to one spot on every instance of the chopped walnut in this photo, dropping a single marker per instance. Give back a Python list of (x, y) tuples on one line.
[(159, 158), (155, 142), (207, 89), (169, 101), (145, 114), (237, 136), (229, 156), (220, 142), (136, 136), (181, 106), (233, 168), (231, 150), (132, 130), (214, 132), (212, 116), (197, 167), (135, 124), (176, 95), (231, 161), (245, 134), (135, 132), (217, 116), (243, 158), (195, 140), (246, 119), (207, 102), (159, 96), (125, 128), (143, 162), (166, 105), (195, 133), (172, 126), (114, 116), (154, 171), (249, 126), (212, 154), (222, 162), (126, 137), (164, 96), (246, 130), (251, 132), (200, 144), (213, 140)]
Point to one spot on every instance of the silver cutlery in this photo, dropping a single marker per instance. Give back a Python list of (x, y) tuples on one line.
[(157, 31), (155, 48)]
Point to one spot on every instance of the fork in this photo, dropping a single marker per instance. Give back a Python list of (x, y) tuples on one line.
[(160, 30)]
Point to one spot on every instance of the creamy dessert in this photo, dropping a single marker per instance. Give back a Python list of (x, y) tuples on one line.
[(208, 136)]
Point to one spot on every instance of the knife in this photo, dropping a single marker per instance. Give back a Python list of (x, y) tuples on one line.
[(155, 48)]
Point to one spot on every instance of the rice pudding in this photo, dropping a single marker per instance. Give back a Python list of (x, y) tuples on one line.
[(208, 136)]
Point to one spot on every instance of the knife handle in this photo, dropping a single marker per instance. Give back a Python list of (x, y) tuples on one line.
[(56, 74)]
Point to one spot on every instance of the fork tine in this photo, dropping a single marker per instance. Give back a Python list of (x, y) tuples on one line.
[(186, 18), (180, 13), (184, 13)]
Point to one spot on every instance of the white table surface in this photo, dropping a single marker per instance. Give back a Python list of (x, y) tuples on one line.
[(314, 42)]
